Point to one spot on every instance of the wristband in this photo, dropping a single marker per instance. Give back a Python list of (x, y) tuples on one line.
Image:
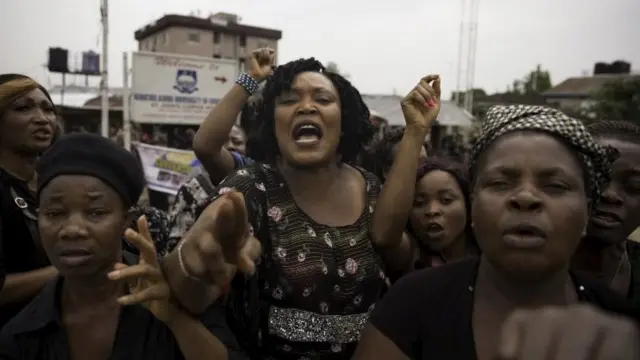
[(182, 265), (248, 83)]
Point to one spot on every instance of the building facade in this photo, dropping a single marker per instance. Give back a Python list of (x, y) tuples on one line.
[(220, 35)]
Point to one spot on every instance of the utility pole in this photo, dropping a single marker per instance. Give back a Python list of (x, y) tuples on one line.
[(471, 59), (467, 53), (456, 95), (104, 17)]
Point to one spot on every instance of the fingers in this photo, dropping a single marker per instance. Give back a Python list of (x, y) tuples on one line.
[(159, 292), (143, 229), (248, 255), (425, 94), (624, 343), (123, 272), (208, 263), (512, 336), (231, 224), (436, 87), (220, 242), (428, 93), (145, 246), (222, 275), (577, 332), (264, 56), (429, 78), (541, 336)]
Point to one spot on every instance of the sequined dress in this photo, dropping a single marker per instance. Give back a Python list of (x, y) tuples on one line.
[(314, 286)]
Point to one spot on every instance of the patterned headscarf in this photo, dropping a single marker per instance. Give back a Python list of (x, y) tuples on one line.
[(501, 120)]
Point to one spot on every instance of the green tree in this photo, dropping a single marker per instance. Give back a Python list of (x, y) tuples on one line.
[(618, 100), (478, 94), (535, 82), (333, 67)]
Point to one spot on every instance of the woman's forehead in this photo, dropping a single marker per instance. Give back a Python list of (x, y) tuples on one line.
[(528, 149)]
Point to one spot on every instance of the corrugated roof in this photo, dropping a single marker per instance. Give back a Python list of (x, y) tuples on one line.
[(75, 96), (586, 85), (388, 107)]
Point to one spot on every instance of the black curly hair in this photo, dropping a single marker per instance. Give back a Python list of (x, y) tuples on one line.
[(356, 129), (617, 129), (249, 123), (458, 172), (381, 153)]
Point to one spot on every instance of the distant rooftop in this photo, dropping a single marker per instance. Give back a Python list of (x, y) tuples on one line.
[(585, 85), (220, 22), (78, 96), (388, 107)]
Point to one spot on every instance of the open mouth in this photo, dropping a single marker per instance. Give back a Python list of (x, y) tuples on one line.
[(524, 236), (42, 134), (607, 220), (307, 133), (434, 228)]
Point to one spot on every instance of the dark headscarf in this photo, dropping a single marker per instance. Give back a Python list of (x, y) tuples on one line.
[(96, 156), (501, 120)]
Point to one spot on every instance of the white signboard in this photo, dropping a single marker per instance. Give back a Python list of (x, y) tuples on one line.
[(178, 89), (166, 169)]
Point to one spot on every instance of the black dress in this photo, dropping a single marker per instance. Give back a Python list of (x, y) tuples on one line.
[(20, 246), (428, 314), (38, 332), (315, 284)]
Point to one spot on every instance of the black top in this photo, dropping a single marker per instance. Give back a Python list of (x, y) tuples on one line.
[(314, 285), (19, 250), (38, 334), (428, 313)]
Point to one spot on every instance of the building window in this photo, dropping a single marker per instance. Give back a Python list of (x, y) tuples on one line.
[(194, 37), (243, 41), (216, 37), (165, 38), (216, 56)]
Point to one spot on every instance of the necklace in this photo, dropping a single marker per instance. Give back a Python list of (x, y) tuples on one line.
[(615, 275)]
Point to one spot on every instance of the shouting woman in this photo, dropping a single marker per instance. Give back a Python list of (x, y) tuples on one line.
[(528, 215), (321, 270)]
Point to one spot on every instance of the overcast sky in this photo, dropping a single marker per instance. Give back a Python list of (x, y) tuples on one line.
[(383, 45)]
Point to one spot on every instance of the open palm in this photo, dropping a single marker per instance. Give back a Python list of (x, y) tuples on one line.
[(146, 282)]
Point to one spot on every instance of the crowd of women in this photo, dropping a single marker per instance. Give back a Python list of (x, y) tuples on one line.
[(301, 238)]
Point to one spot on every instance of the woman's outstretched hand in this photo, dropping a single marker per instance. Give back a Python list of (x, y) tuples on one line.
[(422, 105), (220, 242), (145, 280), (577, 332)]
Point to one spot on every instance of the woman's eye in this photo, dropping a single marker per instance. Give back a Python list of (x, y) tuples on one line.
[(446, 201), (557, 187), (52, 213), (497, 183), (97, 212)]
